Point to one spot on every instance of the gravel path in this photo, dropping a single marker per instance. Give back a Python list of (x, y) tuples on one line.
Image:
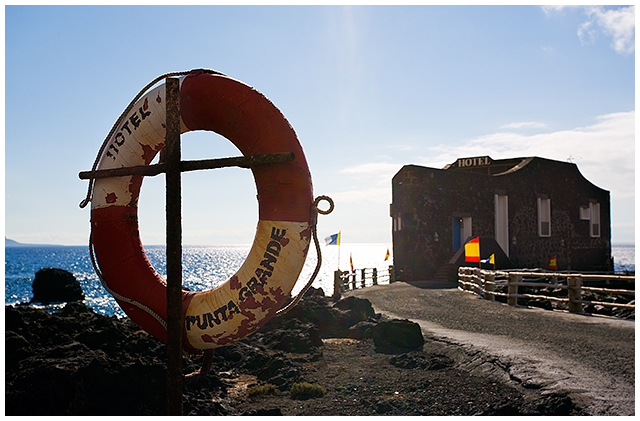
[(591, 357)]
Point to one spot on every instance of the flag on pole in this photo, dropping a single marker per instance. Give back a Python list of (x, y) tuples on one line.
[(351, 261), (553, 263), (491, 259), (333, 240), (472, 250), (386, 256)]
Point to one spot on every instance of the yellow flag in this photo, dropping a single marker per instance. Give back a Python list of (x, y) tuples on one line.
[(472, 250)]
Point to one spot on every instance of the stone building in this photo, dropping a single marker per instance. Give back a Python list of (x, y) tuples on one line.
[(526, 210)]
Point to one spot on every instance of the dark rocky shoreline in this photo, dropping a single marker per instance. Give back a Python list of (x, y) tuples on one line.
[(77, 362)]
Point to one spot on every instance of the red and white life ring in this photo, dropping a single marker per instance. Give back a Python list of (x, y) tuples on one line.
[(259, 288)]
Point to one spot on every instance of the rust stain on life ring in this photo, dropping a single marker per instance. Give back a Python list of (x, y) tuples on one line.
[(111, 198)]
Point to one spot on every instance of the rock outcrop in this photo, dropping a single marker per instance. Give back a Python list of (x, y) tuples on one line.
[(53, 285), (397, 336)]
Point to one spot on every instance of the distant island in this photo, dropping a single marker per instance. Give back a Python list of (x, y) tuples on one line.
[(12, 243)]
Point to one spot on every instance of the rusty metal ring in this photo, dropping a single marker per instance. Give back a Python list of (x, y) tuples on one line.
[(328, 199)]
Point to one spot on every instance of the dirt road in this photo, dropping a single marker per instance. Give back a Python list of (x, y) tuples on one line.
[(591, 357)]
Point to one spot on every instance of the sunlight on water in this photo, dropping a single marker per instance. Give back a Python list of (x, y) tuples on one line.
[(204, 267), (624, 258)]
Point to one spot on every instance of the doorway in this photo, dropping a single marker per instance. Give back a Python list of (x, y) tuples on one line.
[(461, 229), (502, 221)]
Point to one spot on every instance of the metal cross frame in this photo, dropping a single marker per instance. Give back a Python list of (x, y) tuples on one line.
[(173, 166)]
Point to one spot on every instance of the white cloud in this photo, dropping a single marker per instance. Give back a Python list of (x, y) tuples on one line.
[(553, 9), (617, 23), (525, 125), (587, 32), (376, 168), (547, 49), (369, 182), (604, 151), (374, 194)]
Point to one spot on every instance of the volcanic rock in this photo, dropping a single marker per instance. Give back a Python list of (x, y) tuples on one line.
[(75, 362), (421, 360), (360, 308), (397, 336), (56, 285), (293, 336), (361, 330), (330, 321)]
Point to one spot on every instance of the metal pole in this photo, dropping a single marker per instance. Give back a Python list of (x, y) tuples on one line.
[(202, 164), (174, 250), (171, 164)]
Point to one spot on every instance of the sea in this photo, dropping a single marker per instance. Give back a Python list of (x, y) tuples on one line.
[(204, 267)]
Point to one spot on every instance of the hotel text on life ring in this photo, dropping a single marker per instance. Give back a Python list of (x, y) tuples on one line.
[(260, 287)]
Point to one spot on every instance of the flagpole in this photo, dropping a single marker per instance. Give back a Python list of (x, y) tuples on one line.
[(339, 244)]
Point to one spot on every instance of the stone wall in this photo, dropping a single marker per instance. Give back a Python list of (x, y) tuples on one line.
[(425, 201)]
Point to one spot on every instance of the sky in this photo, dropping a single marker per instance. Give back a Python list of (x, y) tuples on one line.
[(367, 89)]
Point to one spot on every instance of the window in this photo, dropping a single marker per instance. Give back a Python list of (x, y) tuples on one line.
[(585, 215), (544, 217), (397, 223), (594, 221)]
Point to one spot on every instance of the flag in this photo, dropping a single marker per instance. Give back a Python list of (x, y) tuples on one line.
[(491, 259), (553, 263), (472, 250), (351, 261), (386, 256), (333, 240)]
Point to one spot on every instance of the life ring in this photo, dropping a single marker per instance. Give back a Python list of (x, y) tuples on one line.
[(260, 287)]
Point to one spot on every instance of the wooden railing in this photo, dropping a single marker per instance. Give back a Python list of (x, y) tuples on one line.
[(360, 278), (568, 288)]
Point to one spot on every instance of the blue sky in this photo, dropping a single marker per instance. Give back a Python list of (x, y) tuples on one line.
[(367, 89)]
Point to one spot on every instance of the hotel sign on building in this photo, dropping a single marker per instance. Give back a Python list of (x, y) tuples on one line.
[(473, 162)]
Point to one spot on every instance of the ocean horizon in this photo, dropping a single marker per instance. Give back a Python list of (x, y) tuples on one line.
[(204, 267)]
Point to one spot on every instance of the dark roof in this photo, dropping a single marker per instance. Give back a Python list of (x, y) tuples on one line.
[(487, 165)]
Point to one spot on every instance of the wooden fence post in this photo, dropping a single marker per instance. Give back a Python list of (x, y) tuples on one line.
[(477, 280), (374, 276), (344, 280), (575, 294), (352, 275), (337, 285), (362, 277), (512, 289), (461, 272), (392, 274), (488, 286)]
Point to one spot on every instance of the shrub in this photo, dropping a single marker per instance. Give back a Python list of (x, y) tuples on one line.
[(306, 390), (262, 389)]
